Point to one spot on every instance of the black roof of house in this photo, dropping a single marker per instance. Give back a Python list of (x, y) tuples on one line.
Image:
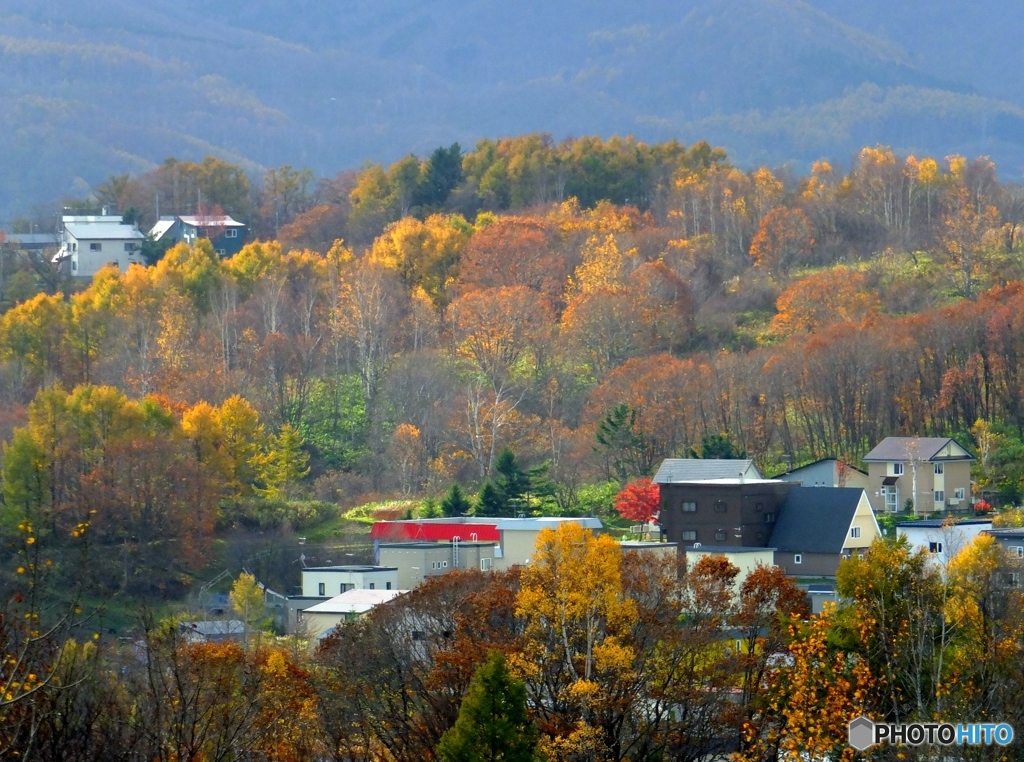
[(938, 523), (1006, 532), (815, 519)]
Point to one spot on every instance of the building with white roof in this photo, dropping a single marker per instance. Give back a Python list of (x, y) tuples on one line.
[(91, 242), (349, 606), (514, 540), (223, 231)]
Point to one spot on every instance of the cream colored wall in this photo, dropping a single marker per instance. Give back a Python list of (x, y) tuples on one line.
[(864, 518), (855, 479), (746, 562), (958, 474), (313, 625), (407, 558), (517, 547)]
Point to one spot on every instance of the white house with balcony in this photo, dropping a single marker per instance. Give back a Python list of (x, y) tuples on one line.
[(90, 242)]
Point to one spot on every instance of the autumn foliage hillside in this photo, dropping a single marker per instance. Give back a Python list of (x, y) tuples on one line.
[(794, 317)]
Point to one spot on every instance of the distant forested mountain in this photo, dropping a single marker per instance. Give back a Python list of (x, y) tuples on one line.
[(94, 88)]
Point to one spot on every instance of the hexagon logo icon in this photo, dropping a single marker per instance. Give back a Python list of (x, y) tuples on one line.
[(861, 733)]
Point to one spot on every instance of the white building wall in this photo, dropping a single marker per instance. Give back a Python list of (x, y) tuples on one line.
[(951, 539), (333, 580)]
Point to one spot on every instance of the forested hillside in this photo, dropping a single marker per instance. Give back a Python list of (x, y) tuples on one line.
[(528, 349), (93, 89), (521, 328)]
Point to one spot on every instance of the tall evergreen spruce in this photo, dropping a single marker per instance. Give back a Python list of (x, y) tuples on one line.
[(492, 724), (513, 482), (455, 503), (491, 501)]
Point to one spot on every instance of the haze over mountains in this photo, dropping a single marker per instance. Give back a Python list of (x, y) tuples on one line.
[(98, 88)]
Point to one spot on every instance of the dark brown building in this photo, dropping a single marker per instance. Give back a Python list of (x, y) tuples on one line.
[(721, 512)]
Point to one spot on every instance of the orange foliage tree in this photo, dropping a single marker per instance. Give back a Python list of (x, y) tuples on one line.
[(832, 296), (784, 239)]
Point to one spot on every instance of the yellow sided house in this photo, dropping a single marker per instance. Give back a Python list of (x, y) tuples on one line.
[(931, 473)]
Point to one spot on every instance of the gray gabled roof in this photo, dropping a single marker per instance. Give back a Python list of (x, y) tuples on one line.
[(815, 519), (916, 448), (680, 470)]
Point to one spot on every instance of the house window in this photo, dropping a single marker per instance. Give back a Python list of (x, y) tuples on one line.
[(321, 589), (892, 498), (345, 587), (689, 535), (485, 564), (74, 265), (387, 585), (222, 252), (1012, 579), (855, 532), (1017, 551), (958, 493), (721, 507), (131, 246), (940, 496), (798, 558), (689, 507), (769, 517), (897, 469), (444, 564), (95, 247), (935, 547), (74, 246), (231, 233), (720, 534), (373, 586), (939, 468)]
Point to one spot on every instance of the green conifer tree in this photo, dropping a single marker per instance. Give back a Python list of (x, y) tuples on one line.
[(455, 503), (492, 724), (491, 501), (513, 482)]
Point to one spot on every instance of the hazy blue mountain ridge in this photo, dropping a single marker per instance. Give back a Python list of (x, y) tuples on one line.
[(93, 89)]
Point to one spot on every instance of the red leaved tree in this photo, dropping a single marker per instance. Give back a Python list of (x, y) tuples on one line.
[(639, 500)]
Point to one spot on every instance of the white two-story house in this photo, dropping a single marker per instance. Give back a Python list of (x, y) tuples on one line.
[(90, 242)]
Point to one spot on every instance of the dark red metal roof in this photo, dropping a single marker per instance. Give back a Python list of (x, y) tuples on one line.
[(433, 531)]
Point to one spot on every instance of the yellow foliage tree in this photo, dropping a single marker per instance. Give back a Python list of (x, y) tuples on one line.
[(813, 699), (576, 618), (423, 253), (603, 266)]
